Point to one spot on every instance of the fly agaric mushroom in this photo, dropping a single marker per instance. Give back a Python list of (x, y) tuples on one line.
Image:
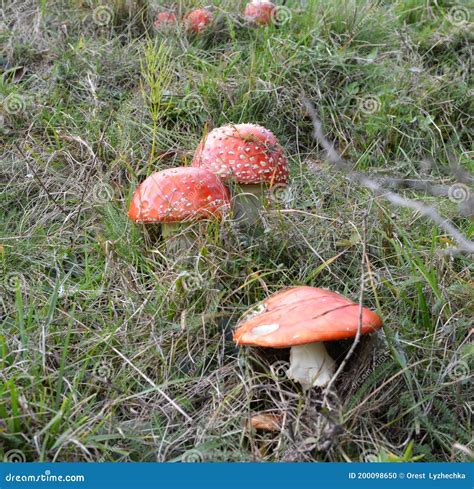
[(259, 12), (178, 195), (266, 422), (301, 318), (250, 155), (165, 20), (198, 20)]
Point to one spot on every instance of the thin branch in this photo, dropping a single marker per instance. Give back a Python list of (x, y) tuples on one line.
[(342, 165), (363, 275), (43, 186)]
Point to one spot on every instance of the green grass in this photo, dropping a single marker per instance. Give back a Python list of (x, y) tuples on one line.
[(99, 323)]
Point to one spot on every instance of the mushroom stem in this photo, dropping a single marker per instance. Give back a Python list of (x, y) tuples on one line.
[(248, 203), (179, 238), (311, 365), (185, 239), (170, 229)]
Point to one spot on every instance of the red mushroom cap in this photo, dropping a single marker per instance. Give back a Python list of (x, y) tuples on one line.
[(179, 194), (248, 153), (165, 19), (259, 11), (266, 421), (303, 315), (198, 20)]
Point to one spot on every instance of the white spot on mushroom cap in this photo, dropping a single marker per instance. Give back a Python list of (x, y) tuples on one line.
[(265, 329)]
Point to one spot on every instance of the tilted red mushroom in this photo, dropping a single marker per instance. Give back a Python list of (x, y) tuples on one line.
[(198, 20), (301, 318), (165, 20), (179, 195), (266, 422), (248, 154), (259, 12)]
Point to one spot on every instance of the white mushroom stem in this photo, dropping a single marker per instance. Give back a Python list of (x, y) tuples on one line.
[(180, 238), (172, 229), (311, 365), (248, 203)]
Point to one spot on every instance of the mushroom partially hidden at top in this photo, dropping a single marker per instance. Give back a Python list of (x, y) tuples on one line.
[(198, 20), (165, 20), (266, 422), (302, 318), (259, 12), (251, 156), (179, 195)]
